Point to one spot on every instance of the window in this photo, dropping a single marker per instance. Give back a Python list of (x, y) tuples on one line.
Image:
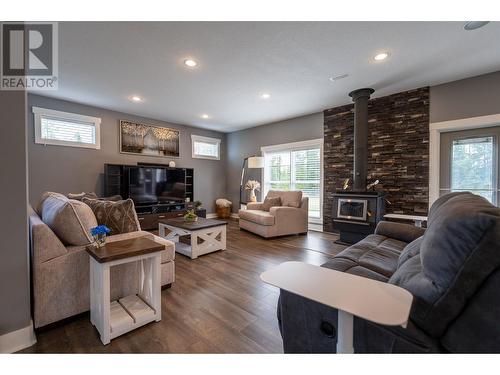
[(296, 166), (66, 129), (205, 147), (470, 162)]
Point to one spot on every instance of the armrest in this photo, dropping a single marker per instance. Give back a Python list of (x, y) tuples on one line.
[(254, 206), (368, 299), (399, 231), (45, 245)]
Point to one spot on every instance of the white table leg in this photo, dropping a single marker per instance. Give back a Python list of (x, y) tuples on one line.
[(223, 237), (104, 286), (194, 245), (156, 287), (345, 333)]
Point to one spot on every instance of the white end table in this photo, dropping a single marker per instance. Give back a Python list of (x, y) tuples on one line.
[(351, 295), (211, 233), (418, 220), (115, 318)]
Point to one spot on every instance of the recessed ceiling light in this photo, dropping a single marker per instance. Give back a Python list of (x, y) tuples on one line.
[(190, 63), (136, 98), (205, 116), (337, 78), (381, 56), (473, 25), (265, 95)]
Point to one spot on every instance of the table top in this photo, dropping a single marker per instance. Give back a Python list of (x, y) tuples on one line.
[(406, 217), (369, 299), (124, 249), (202, 223)]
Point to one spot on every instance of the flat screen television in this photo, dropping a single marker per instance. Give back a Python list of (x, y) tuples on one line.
[(151, 185)]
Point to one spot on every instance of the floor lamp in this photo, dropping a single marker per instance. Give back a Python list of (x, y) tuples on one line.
[(254, 162)]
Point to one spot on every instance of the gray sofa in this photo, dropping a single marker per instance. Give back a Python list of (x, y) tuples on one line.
[(289, 218), (60, 272), (452, 270)]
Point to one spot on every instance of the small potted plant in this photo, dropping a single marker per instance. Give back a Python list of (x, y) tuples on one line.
[(190, 216), (99, 234), (197, 204)]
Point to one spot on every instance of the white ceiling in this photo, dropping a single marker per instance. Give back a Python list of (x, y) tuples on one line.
[(103, 64)]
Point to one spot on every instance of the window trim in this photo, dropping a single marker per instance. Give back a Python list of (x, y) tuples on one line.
[(297, 146), (39, 112), (199, 138)]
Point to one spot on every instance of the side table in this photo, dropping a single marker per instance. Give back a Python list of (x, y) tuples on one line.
[(352, 295), (115, 318)]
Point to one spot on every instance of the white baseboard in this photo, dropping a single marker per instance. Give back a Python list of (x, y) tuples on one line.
[(17, 340)]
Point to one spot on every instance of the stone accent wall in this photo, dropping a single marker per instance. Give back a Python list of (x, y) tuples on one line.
[(398, 151)]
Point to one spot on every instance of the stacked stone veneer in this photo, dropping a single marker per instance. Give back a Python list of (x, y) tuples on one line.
[(398, 151)]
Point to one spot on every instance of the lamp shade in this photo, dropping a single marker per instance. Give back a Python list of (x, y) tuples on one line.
[(256, 162)]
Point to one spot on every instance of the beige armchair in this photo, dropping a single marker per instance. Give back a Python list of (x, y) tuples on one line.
[(278, 221)]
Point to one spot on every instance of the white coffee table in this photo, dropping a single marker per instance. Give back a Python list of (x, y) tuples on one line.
[(206, 235), (115, 318), (369, 299)]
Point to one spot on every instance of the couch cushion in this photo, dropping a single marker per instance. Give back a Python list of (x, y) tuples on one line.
[(352, 267), (70, 220), (288, 198), (376, 253), (411, 250), (119, 217), (271, 202), (257, 216), (459, 250)]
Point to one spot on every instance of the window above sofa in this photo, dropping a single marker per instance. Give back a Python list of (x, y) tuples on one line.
[(66, 129)]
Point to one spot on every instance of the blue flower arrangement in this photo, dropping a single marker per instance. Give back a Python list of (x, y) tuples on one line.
[(101, 229), (99, 233)]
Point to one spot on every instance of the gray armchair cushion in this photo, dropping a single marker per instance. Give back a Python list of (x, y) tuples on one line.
[(458, 251), (271, 202), (399, 231)]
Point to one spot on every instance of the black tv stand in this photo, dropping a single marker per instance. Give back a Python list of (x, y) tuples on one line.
[(116, 183)]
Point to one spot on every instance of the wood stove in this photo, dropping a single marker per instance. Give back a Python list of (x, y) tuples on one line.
[(357, 212)]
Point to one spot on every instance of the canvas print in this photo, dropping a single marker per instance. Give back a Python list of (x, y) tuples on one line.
[(143, 139)]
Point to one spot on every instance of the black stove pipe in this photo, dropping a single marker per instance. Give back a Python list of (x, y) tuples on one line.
[(360, 98)]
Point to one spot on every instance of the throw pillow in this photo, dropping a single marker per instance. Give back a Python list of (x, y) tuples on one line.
[(119, 217), (70, 220), (290, 198), (271, 202), (80, 196)]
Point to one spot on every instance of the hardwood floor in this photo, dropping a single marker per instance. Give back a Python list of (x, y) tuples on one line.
[(217, 304)]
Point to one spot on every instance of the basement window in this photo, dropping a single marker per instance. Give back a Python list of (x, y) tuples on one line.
[(205, 147), (66, 129)]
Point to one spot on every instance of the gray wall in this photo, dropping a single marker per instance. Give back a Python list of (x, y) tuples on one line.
[(14, 260), (249, 141), (471, 97), (70, 169)]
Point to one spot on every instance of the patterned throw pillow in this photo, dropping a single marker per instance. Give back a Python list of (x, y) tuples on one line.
[(119, 216), (271, 202)]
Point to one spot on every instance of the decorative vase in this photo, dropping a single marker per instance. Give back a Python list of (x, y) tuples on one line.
[(100, 239), (253, 197), (192, 219)]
